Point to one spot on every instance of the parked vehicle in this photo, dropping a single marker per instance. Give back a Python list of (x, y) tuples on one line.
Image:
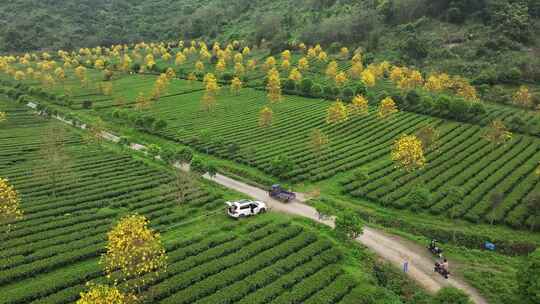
[(244, 208), (280, 194)]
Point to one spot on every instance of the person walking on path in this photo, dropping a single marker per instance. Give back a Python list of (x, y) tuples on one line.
[(406, 265)]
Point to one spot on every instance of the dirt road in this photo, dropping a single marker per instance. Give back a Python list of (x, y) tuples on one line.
[(391, 248)]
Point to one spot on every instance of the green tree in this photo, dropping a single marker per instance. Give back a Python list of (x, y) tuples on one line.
[(529, 279), (349, 225)]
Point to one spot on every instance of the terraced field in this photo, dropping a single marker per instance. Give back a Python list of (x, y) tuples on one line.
[(53, 252), (469, 164)]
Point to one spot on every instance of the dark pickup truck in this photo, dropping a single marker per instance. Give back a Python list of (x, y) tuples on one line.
[(280, 194)]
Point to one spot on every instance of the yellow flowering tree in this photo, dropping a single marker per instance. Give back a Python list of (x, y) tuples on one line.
[(10, 209), (80, 72), (497, 133), (387, 108), (295, 75), (239, 69), (331, 70), (273, 86), (179, 59), (285, 65), (359, 105), (103, 294), (3, 116), (323, 57), (341, 79), (236, 85), (210, 94), (337, 112), (286, 55), (318, 142), (269, 63), (191, 77), (368, 78), (133, 250), (408, 154), (522, 97), (199, 66), (344, 53), (266, 117), (303, 64), (356, 70)]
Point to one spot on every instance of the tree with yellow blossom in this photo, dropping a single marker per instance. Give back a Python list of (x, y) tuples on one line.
[(408, 154), (522, 97), (331, 70), (10, 205), (286, 55), (319, 142), (209, 98), (133, 250), (344, 52), (251, 64), (199, 66), (387, 108), (239, 69), (269, 63), (246, 51), (266, 117), (3, 117), (322, 57), (99, 64), (236, 85), (357, 58), (80, 72), (142, 102), (337, 112), (356, 70), (303, 64), (341, 79), (285, 65), (191, 77), (273, 87), (180, 59), (221, 65), (295, 75), (149, 61), (359, 105), (497, 133), (368, 78), (104, 294)]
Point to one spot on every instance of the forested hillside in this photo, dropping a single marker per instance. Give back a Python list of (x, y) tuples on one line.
[(490, 41)]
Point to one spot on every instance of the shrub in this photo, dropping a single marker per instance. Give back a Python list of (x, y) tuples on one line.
[(198, 166), (305, 86), (316, 90), (159, 125), (451, 295), (348, 94), (289, 85), (87, 104)]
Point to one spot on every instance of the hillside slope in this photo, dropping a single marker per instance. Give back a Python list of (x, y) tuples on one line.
[(492, 41)]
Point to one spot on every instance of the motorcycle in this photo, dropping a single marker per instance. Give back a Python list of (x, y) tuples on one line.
[(440, 269), (434, 249)]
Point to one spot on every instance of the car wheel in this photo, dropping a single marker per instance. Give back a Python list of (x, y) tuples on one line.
[(262, 210)]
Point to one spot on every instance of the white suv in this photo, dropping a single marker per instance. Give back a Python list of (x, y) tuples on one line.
[(245, 208)]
